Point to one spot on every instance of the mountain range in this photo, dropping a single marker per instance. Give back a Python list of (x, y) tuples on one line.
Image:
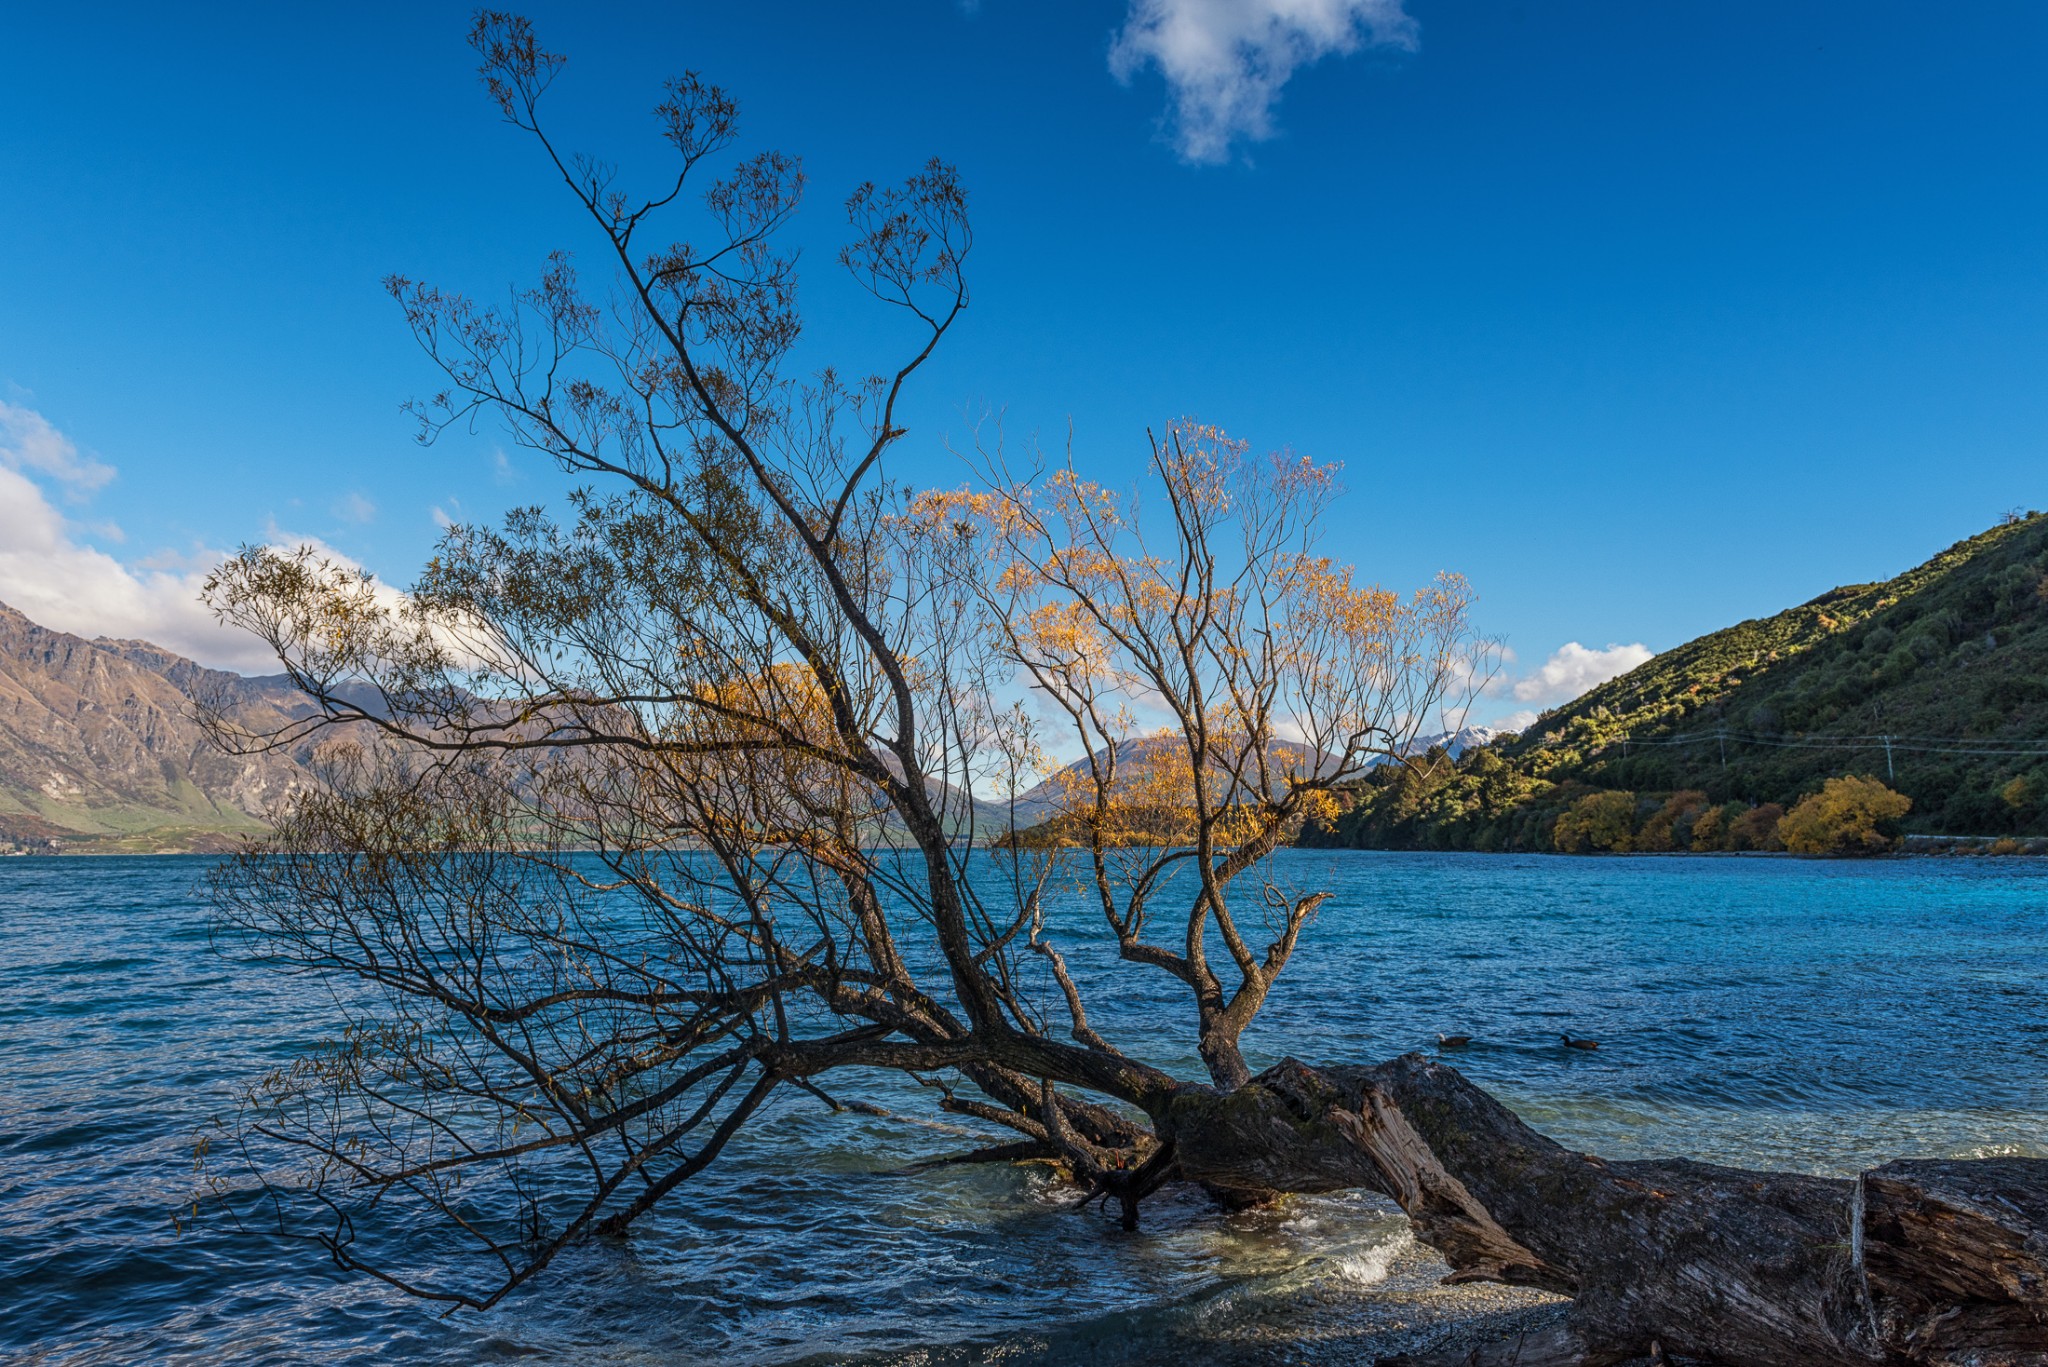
[(1454, 743), (1935, 681), (101, 749)]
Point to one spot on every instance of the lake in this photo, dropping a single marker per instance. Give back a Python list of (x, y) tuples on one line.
[(1757, 1011)]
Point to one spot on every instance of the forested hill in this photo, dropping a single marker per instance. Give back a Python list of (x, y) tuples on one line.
[(1949, 661)]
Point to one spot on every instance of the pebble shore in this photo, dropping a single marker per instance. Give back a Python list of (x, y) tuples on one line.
[(1410, 1311), (1391, 1305)]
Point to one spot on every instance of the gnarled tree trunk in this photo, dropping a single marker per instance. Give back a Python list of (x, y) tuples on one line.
[(1915, 1262)]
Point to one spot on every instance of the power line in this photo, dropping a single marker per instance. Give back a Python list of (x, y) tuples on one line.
[(1933, 745)]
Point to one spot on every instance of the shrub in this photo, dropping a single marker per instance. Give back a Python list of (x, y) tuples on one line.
[(1897, 665), (2019, 589), (1671, 826), (1847, 816), (1928, 643), (1597, 821), (2009, 692), (1972, 811), (1756, 829)]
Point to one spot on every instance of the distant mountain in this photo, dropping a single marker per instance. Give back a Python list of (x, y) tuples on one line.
[(1935, 682), (1137, 756), (100, 747), (1135, 759), (101, 750), (1038, 819), (1455, 743)]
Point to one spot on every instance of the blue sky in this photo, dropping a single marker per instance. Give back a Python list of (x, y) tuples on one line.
[(1646, 317)]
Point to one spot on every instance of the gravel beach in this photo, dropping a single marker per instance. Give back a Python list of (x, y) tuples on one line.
[(1410, 1311)]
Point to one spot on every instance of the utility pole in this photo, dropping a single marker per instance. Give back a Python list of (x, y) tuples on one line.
[(1722, 736)]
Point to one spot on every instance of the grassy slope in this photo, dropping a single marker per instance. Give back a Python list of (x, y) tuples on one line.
[(190, 820), (1951, 653)]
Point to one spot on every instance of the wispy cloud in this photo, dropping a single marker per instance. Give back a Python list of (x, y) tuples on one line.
[(50, 570), (1226, 61), (353, 507), (29, 442)]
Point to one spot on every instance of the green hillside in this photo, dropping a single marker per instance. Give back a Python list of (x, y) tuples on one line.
[(1948, 660)]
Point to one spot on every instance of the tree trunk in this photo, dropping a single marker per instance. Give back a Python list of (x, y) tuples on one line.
[(1915, 1262)]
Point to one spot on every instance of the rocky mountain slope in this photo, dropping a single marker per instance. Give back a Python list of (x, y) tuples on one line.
[(100, 746)]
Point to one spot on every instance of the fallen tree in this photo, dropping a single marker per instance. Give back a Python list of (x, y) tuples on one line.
[(710, 793), (1939, 1262)]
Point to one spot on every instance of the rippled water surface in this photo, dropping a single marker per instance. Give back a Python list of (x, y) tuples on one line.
[(1768, 1012)]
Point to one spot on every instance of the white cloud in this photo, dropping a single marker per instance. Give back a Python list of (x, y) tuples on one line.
[(1572, 669), (49, 572), (29, 442), (1226, 61), (63, 583)]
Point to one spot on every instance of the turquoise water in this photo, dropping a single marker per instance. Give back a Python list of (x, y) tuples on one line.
[(1772, 1012)]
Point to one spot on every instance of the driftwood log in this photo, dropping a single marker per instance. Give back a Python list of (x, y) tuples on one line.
[(1668, 1260)]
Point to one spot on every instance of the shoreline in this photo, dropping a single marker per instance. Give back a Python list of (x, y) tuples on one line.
[(1406, 1308)]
